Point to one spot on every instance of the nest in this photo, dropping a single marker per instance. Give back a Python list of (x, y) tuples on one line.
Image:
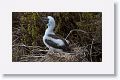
[(78, 54)]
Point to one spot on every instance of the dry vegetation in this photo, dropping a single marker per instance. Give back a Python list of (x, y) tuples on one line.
[(82, 29)]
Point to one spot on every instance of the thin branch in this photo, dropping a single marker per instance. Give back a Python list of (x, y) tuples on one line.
[(22, 45), (91, 50), (42, 50), (97, 54), (15, 40), (75, 30)]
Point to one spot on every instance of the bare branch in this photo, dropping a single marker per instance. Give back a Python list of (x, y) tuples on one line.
[(15, 39), (91, 50), (75, 30)]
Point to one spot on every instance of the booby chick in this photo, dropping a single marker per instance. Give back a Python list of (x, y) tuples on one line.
[(53, 42)]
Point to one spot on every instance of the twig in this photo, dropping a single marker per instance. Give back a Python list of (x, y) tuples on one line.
[(97, 54), (16, 28), (22, 45), (42, 50), (75, 30), (31, 56), (15, 40), (91, 50)]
